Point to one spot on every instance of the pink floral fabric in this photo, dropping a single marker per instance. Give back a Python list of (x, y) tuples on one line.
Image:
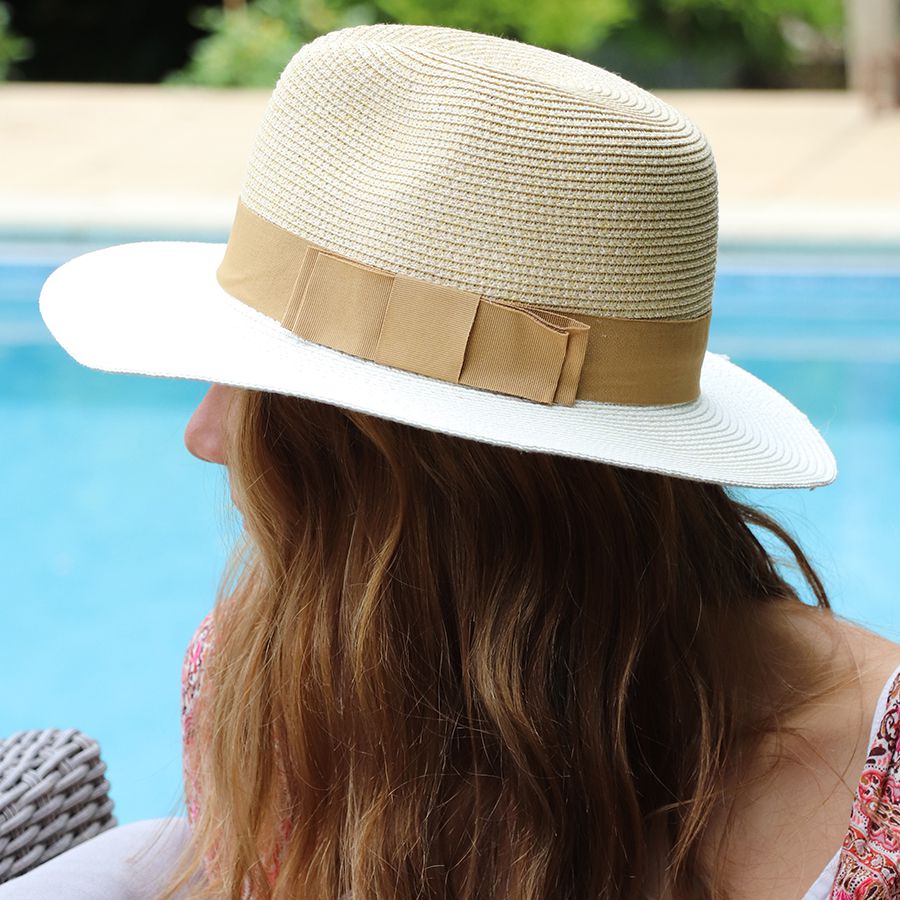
[(191, 677), (869, 861), (197, 653)]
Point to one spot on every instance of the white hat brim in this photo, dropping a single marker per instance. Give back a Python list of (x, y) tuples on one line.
[(156, 308)]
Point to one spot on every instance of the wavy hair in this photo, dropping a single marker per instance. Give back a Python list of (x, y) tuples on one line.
[(448, 669)]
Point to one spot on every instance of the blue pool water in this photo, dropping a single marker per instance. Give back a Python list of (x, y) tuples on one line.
[(113, 536)]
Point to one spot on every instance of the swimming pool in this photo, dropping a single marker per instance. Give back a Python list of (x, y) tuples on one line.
[(113, 536)]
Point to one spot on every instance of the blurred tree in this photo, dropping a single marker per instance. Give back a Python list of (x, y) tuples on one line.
[(250, 44), (670, 43), (572, 26), (659, 43), (13, 49), (720, 43)]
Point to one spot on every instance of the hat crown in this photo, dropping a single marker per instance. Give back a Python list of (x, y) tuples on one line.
[(492, 166)]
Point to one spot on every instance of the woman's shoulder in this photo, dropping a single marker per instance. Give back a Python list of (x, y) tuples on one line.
[(808, 797), (876, 655), (873, 691), (872, 641), (869, 654)]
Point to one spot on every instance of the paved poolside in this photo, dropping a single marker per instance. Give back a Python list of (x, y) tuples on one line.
[(793, 165)]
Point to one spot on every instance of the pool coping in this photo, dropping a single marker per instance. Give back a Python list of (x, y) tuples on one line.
[(145, 162), (800, 227)]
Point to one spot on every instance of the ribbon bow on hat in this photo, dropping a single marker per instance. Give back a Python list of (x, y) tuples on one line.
[(457, 335)]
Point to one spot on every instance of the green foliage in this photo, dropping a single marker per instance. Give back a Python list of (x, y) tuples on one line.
[(571, 26), (758, 24), (250, 46), (714, 43), (13, 48), (717, 43)]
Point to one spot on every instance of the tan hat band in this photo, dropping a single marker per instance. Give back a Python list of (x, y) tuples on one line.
[(456, 335)]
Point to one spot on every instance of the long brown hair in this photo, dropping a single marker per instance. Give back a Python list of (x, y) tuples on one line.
[(447, 669)]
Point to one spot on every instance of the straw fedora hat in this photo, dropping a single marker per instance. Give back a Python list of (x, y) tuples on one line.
[(467, 234)]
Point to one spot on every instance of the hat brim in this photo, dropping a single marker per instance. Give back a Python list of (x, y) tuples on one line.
[(156, 308)]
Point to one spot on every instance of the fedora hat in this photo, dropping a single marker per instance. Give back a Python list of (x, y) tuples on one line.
[(466, 234)]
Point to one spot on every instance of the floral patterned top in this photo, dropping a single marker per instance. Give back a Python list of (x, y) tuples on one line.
[(191, 674), (865, 867), (198, 651)]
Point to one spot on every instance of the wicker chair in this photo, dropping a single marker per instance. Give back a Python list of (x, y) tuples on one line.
[(53, 795)]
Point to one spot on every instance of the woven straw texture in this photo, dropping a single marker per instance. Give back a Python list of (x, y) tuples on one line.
[(53, 795), (493, 166)]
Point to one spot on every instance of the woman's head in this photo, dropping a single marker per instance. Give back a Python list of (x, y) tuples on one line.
[(465, 670)]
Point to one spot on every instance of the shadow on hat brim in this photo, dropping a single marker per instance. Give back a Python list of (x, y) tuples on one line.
[(156, 308)]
